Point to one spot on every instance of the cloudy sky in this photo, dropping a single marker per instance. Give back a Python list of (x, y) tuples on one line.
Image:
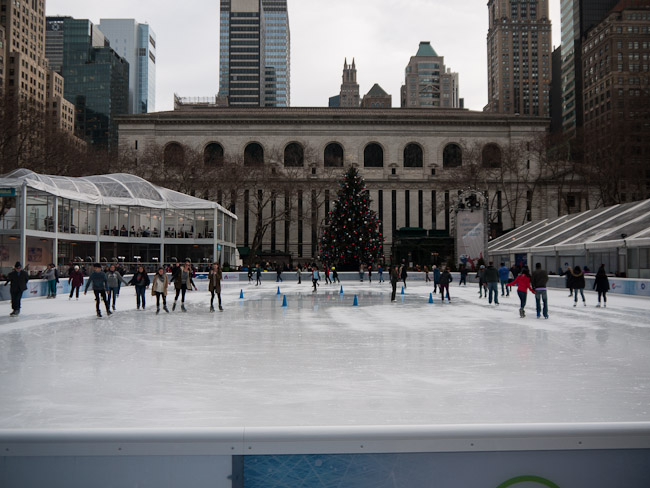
[(380, 34)]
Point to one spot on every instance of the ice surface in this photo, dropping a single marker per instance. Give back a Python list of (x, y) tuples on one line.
[(320, 361)]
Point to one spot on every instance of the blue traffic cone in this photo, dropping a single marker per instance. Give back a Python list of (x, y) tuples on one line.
[(241, 293), (341, 290), (402, 290), (356, 303), (284, 301), (430, 298), (279, 291)]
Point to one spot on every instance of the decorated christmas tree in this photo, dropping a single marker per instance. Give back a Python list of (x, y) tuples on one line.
[(351, 235)]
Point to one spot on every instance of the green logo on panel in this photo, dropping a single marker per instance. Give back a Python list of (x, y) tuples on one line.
[(528, 479)]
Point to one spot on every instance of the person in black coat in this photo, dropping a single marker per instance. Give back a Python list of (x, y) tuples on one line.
[(577, 281), (18, 279), (601, 285), (141, 281)]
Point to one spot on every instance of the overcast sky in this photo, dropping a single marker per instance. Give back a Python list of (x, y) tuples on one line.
[(381, 35)]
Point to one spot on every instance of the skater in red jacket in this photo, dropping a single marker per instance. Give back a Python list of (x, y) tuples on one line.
[(523, 285)]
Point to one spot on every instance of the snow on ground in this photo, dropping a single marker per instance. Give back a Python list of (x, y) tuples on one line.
[(320, 361)]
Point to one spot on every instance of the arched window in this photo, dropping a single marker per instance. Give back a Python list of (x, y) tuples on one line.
[(491, 156), (174, 153), (373, 156), (452, 156), (333, 156), (413, 156), (253, 155), (294, 155), (213, 154)]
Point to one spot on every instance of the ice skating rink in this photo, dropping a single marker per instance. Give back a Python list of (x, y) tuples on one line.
[(320, 361)]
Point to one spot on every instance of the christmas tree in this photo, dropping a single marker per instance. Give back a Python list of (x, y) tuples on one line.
[(351, 235)]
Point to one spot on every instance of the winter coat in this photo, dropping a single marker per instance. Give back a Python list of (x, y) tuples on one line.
[(601, 283), (481, 276), (214, 283), (445, 278), (98, 280), (577, 281), (403, 274), (113, 278), (504, 273), (49, 274), (523, 283), (394, 275), (314, 275), (76, 278), (539, 279), (436, 275), (491, 275), (159, 284), (18, 280), (178, 280), (140, 279)]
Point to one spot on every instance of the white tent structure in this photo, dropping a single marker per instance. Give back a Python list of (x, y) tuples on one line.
[(617, 236)]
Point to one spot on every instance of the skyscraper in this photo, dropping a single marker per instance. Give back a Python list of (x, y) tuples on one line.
[(519, 57), (137, 44), (428, 83), (54, 42), (254, 61), (578, 16), (349, 96)]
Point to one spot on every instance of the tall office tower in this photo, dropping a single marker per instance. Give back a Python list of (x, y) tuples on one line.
[(254, 66), (277, 50), (427, 82), (60, 112), (519, 57), (349, 95), (3, 64), (578, 16), (616, 95), (24, 50), (54, 42), (137, 44), (96, 81)]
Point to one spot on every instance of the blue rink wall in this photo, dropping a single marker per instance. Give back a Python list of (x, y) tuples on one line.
[(624, 286)]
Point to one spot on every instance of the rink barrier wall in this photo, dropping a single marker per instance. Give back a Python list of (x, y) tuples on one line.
[(622, 286)]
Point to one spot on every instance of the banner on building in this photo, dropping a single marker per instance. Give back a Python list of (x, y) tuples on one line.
[(470, 237)]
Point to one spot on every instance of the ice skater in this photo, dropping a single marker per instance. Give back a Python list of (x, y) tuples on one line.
[(250, 274), (361, 273), (426, 274), (335, 275), (578, 284), (182, 283), (538, 281), (278, 272), (403, 274), (436, 278), (369, 273), (315, 276), (75, 280), (482, 284), (51, 275), (523, 285), (380, 272), (99, 283), (394, 278), (214, 285), (601, 285), (18, 278), (114, 278), (492, 280), (504, 276), (445, 279), (159, 289), (141, 282), (258, 275), (463, 275), (299, 275), (328, 281), (568, 280)]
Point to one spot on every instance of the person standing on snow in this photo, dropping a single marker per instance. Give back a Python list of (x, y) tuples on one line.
[(214, 285), (601, 285), (18, 278), (99, 283), (76, 280), (523, 285), (159, 289), (114, 278)]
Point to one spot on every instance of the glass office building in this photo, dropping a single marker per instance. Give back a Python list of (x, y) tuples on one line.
[(107, 218)]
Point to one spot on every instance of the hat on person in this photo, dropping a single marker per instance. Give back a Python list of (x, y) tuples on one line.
[(17, 265), (482, 266), (76, 267)]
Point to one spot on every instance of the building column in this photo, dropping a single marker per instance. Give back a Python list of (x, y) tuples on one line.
[(98, 231), (23, 225), (162, 237), (214, 236), (55, 221)]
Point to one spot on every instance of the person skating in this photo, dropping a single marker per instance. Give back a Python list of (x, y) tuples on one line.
[(380, 272), (436, 278), (538, 281), (114, 278), (578, 284), (278, 272), (568, 280), (601, 285), (182, 283), (335, 275), (370, 273), (141, 281), (445, 279), (523, 285), (492, 280), (18, 278), (250, 274), (99, 283), (214, 285), (299, 275), (315, 276), (403, 274), (482, 285), (426, 274), (504, 277), (51, 275), (463, 275), (361, 273), (394, 278), (76, 281), (328, 281), (258, 275), (159, 286)]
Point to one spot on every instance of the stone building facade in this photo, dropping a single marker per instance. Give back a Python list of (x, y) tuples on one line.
[(414, 163)]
